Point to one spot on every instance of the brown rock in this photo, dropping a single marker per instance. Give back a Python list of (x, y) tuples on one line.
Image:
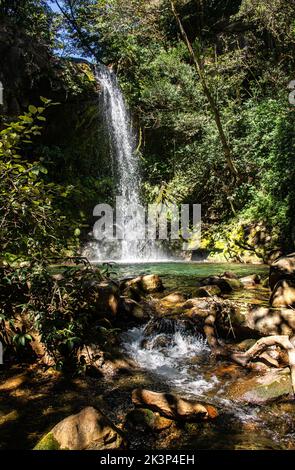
[(151, 283), (143, 417), (268, 321), (283, 294), (251, 281), (230, 275), (173, 298), (263, 388), (172, 406), (143, 284), (282, 268), (88, 430), (225, 284), (207, 291), (107, 299)]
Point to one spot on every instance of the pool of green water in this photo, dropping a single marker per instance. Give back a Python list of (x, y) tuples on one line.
[(187, 270), (184, 277)]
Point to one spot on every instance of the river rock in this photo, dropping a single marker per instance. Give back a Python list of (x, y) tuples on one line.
[(225, 284), (262, 389), (172, 406), (144, 284), (144, 417), (152, 283), (139, 311), (89, 429), (268, 321), (283, 294), (107, 299), (251, 281), (265, 283), (230, 275), (207, 291), (230, 317), (172, 299), (282, 269)]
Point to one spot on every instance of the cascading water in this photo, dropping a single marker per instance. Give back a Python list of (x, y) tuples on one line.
[(177, 355), (172, 353), (132, 248)]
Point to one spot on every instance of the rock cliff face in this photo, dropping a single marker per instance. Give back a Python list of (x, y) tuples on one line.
[(73, 145)]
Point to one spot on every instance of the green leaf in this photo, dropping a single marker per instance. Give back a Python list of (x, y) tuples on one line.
[(33, 109), (45, 100)]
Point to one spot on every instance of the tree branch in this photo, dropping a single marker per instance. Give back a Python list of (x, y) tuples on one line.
[(73, 22)]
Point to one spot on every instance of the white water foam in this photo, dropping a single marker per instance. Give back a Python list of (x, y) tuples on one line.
[(171, 356)]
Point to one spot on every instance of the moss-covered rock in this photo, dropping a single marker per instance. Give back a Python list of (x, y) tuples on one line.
[(143, 417), (48, 442), (262, 389)]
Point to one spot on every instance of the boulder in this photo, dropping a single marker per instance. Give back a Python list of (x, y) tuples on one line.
[(173, 299), (107, 299), (283, 294), (156, 342), (151, 283), (282, 269), (262, 389), (251, 281), (207, 291), (172, 406), (143, 417), (225, 284), (267, 321), (89, 429), (143, 285), (230, 317), (137, 311), (230, 275)]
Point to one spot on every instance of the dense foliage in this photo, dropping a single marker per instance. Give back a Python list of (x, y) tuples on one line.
[(232, 60), (246, 51)]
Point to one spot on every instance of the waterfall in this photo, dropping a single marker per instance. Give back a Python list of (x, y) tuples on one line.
[(125, 164)]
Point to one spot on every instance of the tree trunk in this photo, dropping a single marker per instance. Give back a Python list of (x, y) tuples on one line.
[(196, 58)]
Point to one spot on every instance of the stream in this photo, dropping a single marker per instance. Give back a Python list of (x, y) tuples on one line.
[(180, 361)]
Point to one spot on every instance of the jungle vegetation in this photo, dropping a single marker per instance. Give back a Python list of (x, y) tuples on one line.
[(207, 84)]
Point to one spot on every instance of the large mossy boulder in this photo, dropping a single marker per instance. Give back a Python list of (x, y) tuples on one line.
[(89, 429), (282, 269), (172, 406), (261, 389)]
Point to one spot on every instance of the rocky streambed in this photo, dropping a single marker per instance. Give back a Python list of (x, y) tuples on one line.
[(178, 375)]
